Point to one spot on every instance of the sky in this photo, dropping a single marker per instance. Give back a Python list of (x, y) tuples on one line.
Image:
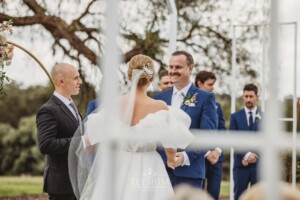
[(31, 74)]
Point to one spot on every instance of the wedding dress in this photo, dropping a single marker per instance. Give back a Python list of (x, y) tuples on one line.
[(132, 170)]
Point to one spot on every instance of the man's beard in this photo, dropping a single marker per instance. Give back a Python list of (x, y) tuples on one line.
[(249, 105)]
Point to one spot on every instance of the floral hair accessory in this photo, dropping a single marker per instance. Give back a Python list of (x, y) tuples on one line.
[(148, 70), (190, 100)]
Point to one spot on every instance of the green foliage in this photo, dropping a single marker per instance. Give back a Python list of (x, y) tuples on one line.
[(3, 78), (20, 154), (20, 102)]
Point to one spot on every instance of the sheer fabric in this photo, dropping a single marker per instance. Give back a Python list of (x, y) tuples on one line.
[(139, 172)]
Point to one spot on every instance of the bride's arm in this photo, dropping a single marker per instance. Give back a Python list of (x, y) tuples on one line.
[(87, 144), (171, 157)]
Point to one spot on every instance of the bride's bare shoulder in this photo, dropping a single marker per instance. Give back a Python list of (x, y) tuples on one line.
[(159, 105)]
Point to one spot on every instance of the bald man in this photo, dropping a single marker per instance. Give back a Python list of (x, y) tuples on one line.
[(57, 121)]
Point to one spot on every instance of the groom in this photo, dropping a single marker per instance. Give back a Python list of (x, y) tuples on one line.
[(200, 106)]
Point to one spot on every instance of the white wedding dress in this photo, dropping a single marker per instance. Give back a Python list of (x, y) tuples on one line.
[(140, 173), (133, 170)]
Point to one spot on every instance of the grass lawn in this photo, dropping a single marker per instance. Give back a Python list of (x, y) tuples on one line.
[(19, 185), (225, 189), (16, 186)]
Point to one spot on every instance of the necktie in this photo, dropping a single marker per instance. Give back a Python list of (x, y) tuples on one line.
[(177, 99), (76, 111), (250, 120)]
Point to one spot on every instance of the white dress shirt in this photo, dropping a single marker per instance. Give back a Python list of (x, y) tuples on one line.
[(247, 116), (66, 102), (178, 95), (177, 100)]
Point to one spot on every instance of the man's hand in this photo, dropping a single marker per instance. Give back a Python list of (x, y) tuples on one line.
[(179, 159), (252, 158), (172, 163), (213, 157), (245, 163)]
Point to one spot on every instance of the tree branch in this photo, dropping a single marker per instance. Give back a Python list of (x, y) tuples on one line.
[(86, 10), (58, 28)]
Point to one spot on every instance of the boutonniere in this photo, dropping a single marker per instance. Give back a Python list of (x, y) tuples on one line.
[(258, 116), (216, 107), (190, 100)]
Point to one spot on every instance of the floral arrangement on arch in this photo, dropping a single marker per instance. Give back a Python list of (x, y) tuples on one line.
[(6, 52)]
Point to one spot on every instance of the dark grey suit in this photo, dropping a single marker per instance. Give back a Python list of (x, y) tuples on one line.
[(56, 125)]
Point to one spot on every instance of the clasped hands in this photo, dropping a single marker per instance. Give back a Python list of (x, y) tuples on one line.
[(213, 157), (175, 161), (252, 158)]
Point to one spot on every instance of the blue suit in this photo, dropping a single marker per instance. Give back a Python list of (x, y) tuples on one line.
[(203, 116), (242, 176), (92, 105), (214, 172)]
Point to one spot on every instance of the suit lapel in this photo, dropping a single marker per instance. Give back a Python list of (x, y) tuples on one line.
[(244, 119), (64, 108), (188, 94), (256, 121), (168, 96)]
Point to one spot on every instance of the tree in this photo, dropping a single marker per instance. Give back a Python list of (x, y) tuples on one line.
[(19, 150), (76, 30), (20, 103)]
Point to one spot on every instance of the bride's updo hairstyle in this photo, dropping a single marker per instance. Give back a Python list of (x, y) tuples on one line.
[(144, 63)]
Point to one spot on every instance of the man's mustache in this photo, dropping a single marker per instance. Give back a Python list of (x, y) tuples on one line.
[(172, 74)]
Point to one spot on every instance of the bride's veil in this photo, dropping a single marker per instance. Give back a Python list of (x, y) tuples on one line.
[(87, 163)]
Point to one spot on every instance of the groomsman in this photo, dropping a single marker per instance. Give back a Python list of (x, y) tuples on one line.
[(200, 106), (92, 106), (247, 119), (214, 158), (57, 121), (165, 82)]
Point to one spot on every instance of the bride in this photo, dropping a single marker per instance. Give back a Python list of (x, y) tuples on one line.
[(138, 170)]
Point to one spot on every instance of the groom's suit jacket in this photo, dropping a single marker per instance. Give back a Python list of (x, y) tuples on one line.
[(238, 122), (203, 116), (56, 125)]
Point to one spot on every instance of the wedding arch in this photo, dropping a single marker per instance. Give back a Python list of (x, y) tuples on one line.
[(34, 58)]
